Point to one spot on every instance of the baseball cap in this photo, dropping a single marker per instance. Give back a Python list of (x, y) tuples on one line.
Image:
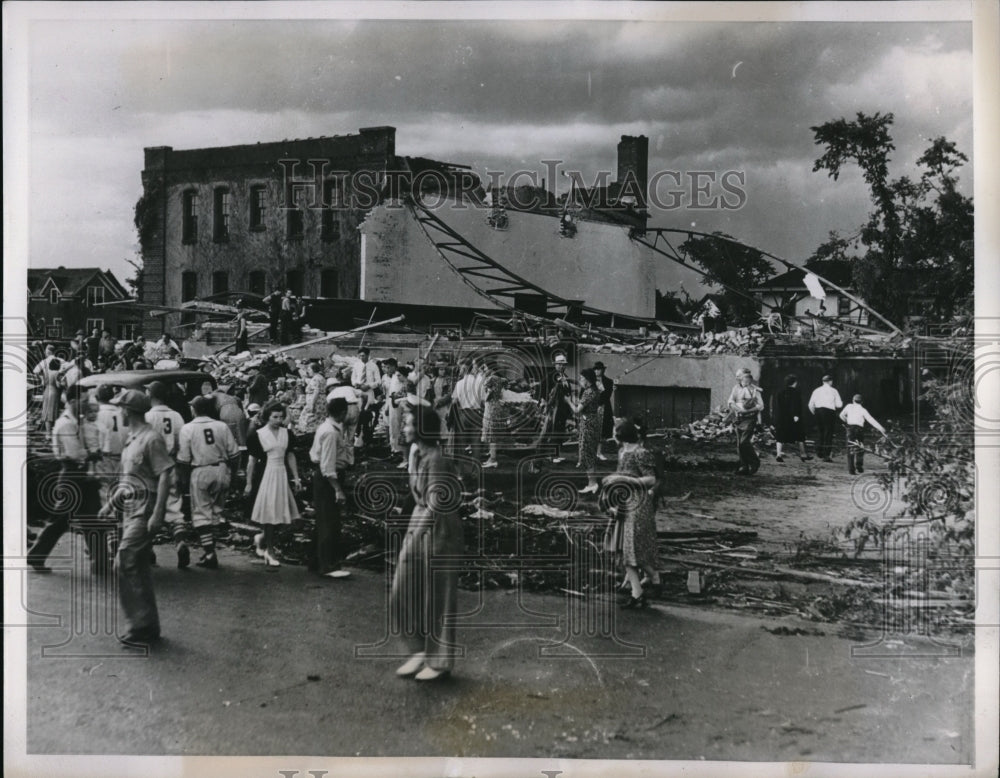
[(828, 377), (132, 399), (253, 408)]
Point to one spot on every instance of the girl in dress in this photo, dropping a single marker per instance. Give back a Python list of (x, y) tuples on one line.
[(588, 423), (314, 409), (275, 503), (424, 596), (634, 536)]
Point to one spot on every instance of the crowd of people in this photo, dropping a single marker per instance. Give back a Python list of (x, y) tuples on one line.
[(134, 456)]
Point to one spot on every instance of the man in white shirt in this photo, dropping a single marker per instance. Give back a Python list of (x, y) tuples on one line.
[(341, 387), (468, 399), (855, 416), (329, 453), (168, 423), (823, 404), (366, 378), (394, 387)]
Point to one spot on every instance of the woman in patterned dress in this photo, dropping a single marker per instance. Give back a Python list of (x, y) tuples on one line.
[(314, 409), (493, 422), (588, 424), (424, 595), (635, 530), (275, 503)]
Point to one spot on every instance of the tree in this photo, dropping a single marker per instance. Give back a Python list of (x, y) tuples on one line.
[(917, 242), (135, 282), (732, 267)]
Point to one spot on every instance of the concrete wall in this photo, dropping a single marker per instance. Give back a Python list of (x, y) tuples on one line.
[(716, 372), (599, 266)]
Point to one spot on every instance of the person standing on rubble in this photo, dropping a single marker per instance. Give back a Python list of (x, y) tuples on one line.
[(394, 388), (442, 401), (788, 419), (493, 427), (286, 321), (169, 423), (746, 403), (314, 407), (275, 504), (209, 456), (557, 390), (468, 414), (823, 404), (273, 302), (606, 387), (366, 379), (855, 415), (242, 331), (588, 423)]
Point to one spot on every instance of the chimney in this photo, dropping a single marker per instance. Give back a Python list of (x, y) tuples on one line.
[(633, 162)]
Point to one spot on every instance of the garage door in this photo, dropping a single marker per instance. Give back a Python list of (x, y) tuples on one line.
[(662, 406)]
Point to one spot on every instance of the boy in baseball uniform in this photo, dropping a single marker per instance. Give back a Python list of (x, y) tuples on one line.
[(168, 423)]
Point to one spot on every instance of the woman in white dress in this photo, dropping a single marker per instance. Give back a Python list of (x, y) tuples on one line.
[(275, 503), (314, 408), (48, 370)]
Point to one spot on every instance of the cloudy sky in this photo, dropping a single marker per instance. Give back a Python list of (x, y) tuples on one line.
[(499, 95)]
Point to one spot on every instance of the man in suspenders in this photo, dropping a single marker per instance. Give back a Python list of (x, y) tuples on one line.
[(168, 423), (208, 456)]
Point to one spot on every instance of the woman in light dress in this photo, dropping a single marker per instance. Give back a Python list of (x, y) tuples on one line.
[(49, 369), (275, 503), (424, 595), (314, 407)]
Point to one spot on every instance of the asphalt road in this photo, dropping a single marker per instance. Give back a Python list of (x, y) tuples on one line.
[(256, 662)]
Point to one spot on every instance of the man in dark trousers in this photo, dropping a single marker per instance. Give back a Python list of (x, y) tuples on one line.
[(823, 404), (273, 302), (556, 389), (746, 403), (81, 493), (330, 453), (145, 482), (606, 387)]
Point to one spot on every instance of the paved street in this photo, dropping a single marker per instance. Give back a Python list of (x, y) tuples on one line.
[(254, 662)]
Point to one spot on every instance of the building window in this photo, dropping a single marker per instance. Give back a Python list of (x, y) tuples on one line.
[(189, 291), (127, 330), (257, 281), (54, 330), (92, 323), (295, 217), (220, 230), (293, 280), (328, 283), (258, 207), (843, 306), (220, 282), (54, 296), (95, 295), (189, 231)]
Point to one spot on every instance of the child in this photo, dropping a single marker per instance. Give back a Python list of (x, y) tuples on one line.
[(854, 416)]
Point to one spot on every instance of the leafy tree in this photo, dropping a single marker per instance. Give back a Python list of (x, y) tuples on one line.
[(732, 267), (918, 239)]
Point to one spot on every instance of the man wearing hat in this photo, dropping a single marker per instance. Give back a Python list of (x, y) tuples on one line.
[(330, 453), (556, 390), (855, 415), (209, 457), (824, 403), (142, 498), (746, 403), (606, 387), (341, 387)]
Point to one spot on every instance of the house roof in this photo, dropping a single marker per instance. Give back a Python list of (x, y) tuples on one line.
[(71, 281), (834, 270)]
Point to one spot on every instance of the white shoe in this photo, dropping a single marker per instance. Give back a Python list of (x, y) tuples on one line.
[(270, 561), (411, 666), (491, 463), (430, 674), (557, 460), (592, 489), (402, 465), (257, 547), (338, 574), (602, 457)]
